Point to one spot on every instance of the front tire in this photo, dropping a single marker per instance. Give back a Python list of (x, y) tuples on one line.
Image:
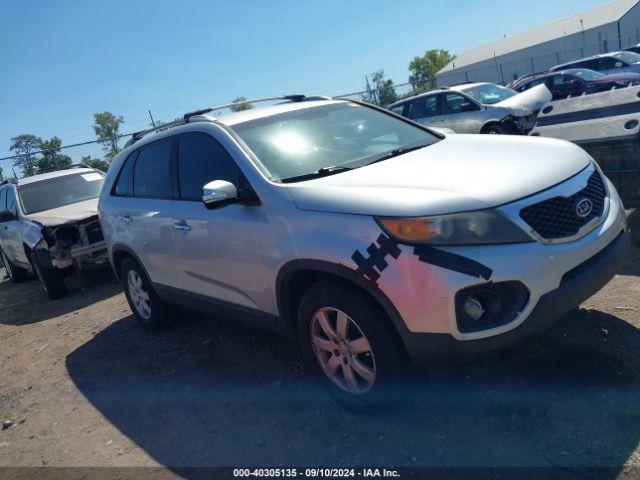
[(494, 129), (16, 274), (633, 222), (350, 345), (51, 279), (150, 310)]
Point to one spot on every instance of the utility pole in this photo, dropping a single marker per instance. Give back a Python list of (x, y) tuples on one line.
[(153, 124)]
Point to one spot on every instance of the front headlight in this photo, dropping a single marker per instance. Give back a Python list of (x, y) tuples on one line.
[(481, 227)]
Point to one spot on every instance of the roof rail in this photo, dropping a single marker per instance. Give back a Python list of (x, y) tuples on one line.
[(187, 116), (292, 98)]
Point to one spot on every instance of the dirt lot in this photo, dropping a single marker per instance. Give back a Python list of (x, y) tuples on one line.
[(84, 385)]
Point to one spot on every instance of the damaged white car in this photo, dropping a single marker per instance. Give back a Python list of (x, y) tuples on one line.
[(475, 108), (49, 226)]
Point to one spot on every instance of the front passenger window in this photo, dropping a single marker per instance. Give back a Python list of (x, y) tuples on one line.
[(202, 159)]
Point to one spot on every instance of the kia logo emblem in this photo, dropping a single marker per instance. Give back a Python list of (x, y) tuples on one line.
[(584, 207)]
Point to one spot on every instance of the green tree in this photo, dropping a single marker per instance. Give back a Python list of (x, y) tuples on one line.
[(51, 159), (423, 69), (96, 163), (107, 128), (1, 175), (380, 91), (241, 106), (27, 146)]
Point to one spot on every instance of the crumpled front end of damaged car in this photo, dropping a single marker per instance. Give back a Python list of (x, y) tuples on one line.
[(68, 244)]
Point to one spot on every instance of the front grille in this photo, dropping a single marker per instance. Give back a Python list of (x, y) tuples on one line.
[(94, 233), (502, 301), (557, 218)]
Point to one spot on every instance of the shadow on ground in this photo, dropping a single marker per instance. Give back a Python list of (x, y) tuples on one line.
[(205, 393), (84, 288)]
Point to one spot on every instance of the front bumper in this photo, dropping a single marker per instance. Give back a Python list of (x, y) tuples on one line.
[(576, 286)]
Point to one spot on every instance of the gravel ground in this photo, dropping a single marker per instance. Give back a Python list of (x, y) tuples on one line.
[(84, 385)]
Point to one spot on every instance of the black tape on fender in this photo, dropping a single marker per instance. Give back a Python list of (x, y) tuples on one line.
[(451, 261), (367, 266)]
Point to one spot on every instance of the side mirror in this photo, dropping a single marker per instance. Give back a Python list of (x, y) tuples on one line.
[(218, 193), (467, 107), (619, 65), (6, 216)]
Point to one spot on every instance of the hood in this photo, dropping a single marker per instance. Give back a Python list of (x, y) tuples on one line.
[(66, 214), (459, 173), (532, 99)]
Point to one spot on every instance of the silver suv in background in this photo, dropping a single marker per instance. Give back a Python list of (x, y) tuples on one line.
[(49, 226), (473, 108), (364, 235)]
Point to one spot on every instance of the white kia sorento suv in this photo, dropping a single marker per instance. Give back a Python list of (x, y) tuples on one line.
[(364, 235)]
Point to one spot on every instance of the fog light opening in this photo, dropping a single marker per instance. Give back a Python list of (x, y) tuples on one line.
[(473, 307)]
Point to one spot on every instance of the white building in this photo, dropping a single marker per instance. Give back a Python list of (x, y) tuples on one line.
[(606, 28)]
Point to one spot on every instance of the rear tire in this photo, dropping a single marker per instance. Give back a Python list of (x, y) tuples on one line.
[(150, 310), (52, 279), (16, 274), (351, 346)]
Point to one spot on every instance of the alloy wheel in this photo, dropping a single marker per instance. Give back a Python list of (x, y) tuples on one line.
[(139, 296), (343, 351)]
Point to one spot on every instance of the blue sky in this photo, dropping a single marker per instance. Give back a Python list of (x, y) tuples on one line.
[(64, 60)]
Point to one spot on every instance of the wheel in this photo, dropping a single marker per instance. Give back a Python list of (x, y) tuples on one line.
[(633, 221), (494, 129), (16, 274), (350, 345), (51, 279), (148, 308)]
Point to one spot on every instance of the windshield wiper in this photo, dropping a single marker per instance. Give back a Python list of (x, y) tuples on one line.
[(397, 152), (322, 172)]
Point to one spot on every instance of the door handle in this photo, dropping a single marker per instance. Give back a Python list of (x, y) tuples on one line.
[(126, 218), (181, 227)]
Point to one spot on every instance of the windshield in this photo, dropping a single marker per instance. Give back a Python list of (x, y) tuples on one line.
[(587, 74), (489, 93), (628, 57), (57, 192), (304, 141)]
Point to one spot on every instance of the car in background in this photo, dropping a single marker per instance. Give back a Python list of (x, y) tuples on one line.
[(606, 63), (468, 108), (363, 235), (49, 226), (634, 48), (577, 81)]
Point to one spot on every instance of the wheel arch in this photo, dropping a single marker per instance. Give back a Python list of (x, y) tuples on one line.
[(296, 276), (118, 254)]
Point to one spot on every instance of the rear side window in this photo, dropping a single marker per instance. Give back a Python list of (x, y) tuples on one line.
[(124, 184), (202, 159), (423, 107), (152, 172)]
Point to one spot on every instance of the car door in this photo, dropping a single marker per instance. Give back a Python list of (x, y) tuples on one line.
[(143, 209), (459, 112), (11, 240), (218, 252), (425, 110)]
